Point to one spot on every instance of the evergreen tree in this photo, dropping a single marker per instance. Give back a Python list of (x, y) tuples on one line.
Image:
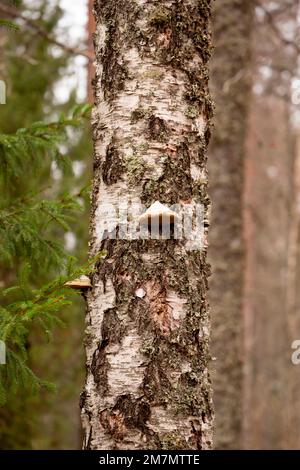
[(36, 210)]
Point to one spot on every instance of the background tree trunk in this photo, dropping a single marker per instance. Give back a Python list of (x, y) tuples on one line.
[(231, 87), (271, 380), (90, 65), (148, 328), (269, 418)]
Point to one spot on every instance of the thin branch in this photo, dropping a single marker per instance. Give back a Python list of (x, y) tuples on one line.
[(15, 13)]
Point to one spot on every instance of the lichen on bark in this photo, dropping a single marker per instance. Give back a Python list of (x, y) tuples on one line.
[(147, 380)]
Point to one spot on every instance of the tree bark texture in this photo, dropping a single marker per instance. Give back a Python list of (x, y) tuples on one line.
[(147, 340), (231, 87)]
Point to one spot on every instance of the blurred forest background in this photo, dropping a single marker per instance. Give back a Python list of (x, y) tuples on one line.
[(254, 165)]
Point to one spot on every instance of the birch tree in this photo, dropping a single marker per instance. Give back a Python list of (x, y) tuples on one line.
[(147, 338)]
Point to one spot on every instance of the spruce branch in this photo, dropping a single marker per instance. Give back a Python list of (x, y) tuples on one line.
[(41, 308)]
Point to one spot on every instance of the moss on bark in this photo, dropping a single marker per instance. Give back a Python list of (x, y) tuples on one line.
[(165, 402)]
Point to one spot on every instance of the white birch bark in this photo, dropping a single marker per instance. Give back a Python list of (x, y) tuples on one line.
[(148, 327)]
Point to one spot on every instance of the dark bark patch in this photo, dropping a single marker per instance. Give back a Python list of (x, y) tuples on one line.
[(112, 167), (82, 399), (99, 367), (115, 70), (112, 330), (197, 94), (136, 412), (116, 13), (138, 114), (196, 438), (157, 129), (156, 385), (126, 414), (160, 17)]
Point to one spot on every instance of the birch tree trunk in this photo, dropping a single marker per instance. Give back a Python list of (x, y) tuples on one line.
[(147, 340)]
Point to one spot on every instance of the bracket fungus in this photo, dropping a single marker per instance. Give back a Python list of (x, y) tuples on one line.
[(82, 283), (159, 220)]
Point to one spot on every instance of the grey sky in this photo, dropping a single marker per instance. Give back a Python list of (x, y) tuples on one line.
[(74, 23)]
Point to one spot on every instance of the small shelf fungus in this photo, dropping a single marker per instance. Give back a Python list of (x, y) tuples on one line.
[(159, 221), (82, 283)]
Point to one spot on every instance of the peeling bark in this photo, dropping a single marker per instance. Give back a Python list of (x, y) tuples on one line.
[(147, 340)]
